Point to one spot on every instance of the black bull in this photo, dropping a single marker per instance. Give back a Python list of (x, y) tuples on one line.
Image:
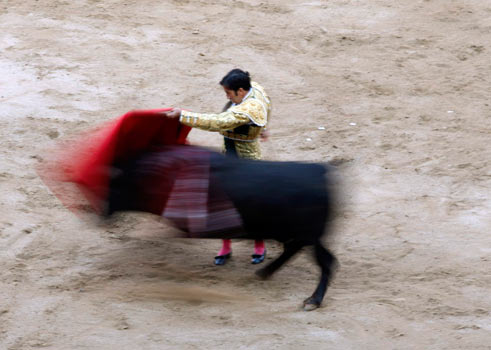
[(289, 202)]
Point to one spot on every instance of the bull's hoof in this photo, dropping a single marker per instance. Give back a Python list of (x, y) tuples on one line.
[(263, 274), (310, 304)]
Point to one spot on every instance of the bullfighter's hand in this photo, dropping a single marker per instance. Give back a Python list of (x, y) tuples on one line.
[(173, 113), (264, 135)]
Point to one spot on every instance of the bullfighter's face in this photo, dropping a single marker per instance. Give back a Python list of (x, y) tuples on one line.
[(235, 96)]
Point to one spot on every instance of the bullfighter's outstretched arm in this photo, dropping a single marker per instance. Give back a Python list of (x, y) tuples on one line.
[(213, 122)]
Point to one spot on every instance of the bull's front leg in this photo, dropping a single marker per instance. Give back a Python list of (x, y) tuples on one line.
[(327, 263), (289, 250)]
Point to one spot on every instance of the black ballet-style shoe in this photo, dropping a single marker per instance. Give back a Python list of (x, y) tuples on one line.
[(258, 258), (222, 259)]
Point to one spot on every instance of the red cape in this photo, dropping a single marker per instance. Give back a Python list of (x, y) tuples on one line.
[(87, 162)]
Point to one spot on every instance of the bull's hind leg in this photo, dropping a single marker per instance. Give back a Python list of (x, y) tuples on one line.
[(327, 262), (290, 249)]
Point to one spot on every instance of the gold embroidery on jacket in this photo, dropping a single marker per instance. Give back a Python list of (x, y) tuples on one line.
[(253, 111)]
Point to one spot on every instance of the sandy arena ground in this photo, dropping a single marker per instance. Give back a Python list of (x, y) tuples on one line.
[(402, 89)]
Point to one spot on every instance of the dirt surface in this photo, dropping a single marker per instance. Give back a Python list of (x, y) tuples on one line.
[(402, 89)]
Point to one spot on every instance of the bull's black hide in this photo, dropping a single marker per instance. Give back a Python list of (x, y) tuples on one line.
[(290, 202)]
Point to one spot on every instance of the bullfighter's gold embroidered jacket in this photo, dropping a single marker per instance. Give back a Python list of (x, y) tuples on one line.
[(241, 124)]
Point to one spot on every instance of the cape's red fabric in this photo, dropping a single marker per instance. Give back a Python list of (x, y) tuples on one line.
[(88, 161)]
